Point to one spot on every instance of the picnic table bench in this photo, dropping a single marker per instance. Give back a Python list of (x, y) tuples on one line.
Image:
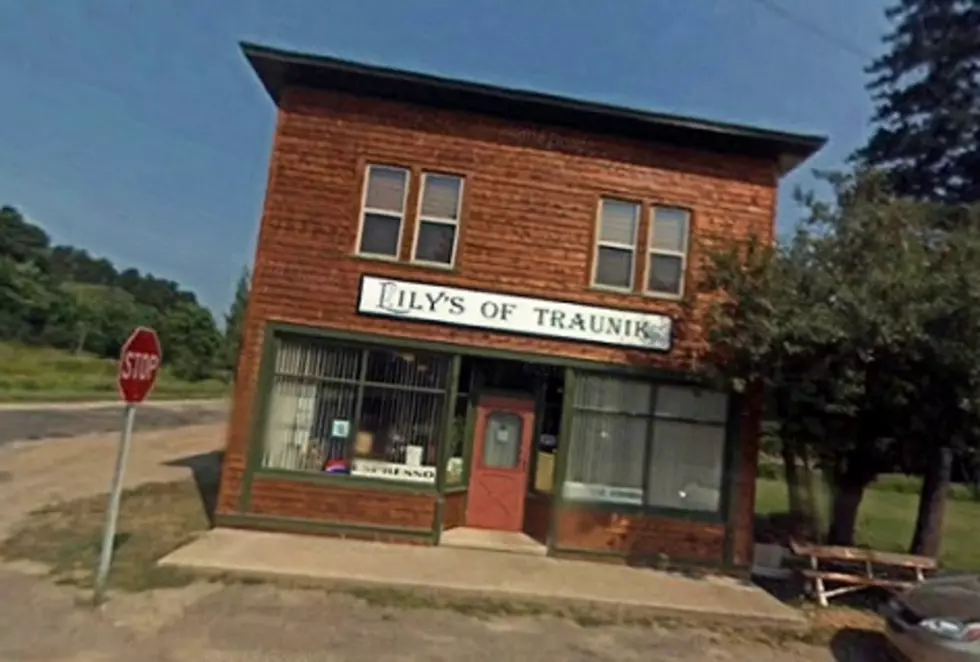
[(858, 569)]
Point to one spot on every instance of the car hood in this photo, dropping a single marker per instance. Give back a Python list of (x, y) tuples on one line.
[(948, 597)]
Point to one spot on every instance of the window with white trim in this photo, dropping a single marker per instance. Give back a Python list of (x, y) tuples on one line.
[(667, 246), (615, 255), (437, 231), (383, 213)]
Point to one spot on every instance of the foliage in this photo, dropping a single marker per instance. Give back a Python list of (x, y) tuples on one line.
[(864, 331), (62, 297), (235, 321), (927, 91)]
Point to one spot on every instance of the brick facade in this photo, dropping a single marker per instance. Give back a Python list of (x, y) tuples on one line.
[(528, 228)]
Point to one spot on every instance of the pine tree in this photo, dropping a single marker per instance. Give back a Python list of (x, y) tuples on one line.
[(927, 94), (235, 320)]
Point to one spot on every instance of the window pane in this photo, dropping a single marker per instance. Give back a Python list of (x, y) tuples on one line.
[(407, 369), (625, 396), (670, 229), (605, 460), (308, 424), (614, 267), (435, 242), (380, 235), (665, 273), (308, 359), (502, 441), (386, 189), (618, 222), (440, 198), (686, 466), (398, 434), (691, 403)]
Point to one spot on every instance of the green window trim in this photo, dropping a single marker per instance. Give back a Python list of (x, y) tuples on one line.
[(264, 397), (722, 515)]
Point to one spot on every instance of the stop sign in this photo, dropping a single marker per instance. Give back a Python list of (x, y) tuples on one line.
[(139, 363)]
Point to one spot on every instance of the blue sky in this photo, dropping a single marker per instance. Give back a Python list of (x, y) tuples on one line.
[(136, 130)]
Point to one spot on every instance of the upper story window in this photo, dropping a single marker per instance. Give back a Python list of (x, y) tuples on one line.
[(437, 230), (667, 247), (383, 213), (616, 246)]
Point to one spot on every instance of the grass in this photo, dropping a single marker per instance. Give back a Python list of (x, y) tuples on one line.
[(887, 518), (154, 519), (41, 374)]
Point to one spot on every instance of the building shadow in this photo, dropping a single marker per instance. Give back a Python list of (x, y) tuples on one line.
[(206, 470)]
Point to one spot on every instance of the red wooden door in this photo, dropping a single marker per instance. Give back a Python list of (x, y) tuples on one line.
[(501, 450)]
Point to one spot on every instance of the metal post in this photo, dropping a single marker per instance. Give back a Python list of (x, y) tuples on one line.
[(112, 514)]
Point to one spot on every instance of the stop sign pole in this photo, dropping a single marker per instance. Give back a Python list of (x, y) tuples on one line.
[(139, 364)]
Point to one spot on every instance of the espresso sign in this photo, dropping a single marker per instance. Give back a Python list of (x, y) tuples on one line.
[(513, 314)]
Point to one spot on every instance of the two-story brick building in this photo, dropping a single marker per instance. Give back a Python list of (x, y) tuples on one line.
[(468, 310)]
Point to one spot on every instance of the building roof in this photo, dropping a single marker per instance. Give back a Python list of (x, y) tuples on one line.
[(278, 69)]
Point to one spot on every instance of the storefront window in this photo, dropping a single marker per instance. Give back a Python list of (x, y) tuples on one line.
[(625, 430), (371, 413)]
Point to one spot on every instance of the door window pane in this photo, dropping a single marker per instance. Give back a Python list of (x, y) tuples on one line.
[(502, 440)]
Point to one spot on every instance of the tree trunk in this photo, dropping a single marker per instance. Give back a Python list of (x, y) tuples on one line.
[(928, 533), (844, 512), (811, 504), (82, 335), (792, 476)]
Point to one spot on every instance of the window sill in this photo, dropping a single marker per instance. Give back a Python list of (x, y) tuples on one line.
[(610, 289), (421, 266), (663, 296), (342, 481), (679, 514)]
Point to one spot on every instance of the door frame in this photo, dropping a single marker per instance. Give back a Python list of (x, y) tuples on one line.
[(528, 432)]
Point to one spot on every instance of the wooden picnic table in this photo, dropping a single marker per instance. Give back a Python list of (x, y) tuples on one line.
[(858, 569)]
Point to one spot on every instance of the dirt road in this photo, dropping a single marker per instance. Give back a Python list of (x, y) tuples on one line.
[(52, 422), (243, 623)]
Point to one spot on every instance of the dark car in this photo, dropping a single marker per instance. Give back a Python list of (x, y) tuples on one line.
[(937, 621)]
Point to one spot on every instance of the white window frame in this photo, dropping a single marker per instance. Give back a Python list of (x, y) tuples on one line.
[(365, 210), (599, 243), (652, 250), (438, 220)]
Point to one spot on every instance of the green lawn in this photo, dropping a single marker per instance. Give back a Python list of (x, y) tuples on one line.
[(887, 517), (37, 374)]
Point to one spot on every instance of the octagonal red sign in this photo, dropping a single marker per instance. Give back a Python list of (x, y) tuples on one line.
[(139, 364)]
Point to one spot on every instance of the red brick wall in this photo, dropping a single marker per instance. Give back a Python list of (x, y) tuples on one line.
[(527, 227), (583, 529)]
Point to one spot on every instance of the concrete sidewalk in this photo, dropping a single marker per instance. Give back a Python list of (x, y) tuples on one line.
[(625, 591)]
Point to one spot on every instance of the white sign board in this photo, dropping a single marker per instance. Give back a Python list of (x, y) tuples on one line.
[(514, 314), (393, 471)]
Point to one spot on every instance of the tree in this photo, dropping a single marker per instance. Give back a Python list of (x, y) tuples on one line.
[(191, 341), (927, 94), (235, 321), (856, 329)]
